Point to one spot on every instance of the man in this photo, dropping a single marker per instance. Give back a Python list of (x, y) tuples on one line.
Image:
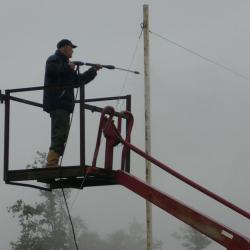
[(58, 100)]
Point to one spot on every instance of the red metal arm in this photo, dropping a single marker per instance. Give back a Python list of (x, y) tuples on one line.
[(219, 233), (188, 181)]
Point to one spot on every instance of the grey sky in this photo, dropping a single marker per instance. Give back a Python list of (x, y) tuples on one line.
[(200, 113)]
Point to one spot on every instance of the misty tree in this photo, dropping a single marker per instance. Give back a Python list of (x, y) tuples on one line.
[(192, 239), (45, 225)]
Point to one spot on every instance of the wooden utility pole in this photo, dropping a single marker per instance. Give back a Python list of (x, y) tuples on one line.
[(147, 121)]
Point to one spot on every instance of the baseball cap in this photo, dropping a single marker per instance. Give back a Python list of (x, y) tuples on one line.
[(64, 42)]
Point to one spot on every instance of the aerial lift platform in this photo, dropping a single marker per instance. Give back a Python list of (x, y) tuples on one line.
[(91, 175)]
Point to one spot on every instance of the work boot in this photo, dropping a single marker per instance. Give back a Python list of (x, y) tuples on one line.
[(52, 159)]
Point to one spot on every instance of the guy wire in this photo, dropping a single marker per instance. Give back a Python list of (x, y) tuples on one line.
[(201, 56), (131, 62)]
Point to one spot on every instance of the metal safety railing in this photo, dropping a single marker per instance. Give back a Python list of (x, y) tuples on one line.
[(8, 96)]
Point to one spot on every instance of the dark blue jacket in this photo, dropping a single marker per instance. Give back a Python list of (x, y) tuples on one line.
[(58, 73)]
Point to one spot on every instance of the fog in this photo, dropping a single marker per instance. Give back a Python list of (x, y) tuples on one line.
[(199, 111)]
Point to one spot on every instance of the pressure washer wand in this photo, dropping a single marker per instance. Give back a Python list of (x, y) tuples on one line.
[(78, 63), (128, 70)]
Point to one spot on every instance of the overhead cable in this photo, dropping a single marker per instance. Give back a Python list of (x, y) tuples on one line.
[(201, 56)]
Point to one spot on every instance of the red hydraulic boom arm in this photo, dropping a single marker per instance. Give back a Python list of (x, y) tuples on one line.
[(228, 238)]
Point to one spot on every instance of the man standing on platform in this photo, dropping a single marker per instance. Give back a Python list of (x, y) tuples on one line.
[(58, 98)]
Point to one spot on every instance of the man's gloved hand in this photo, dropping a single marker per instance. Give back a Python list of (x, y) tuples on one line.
[(72, 65)]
